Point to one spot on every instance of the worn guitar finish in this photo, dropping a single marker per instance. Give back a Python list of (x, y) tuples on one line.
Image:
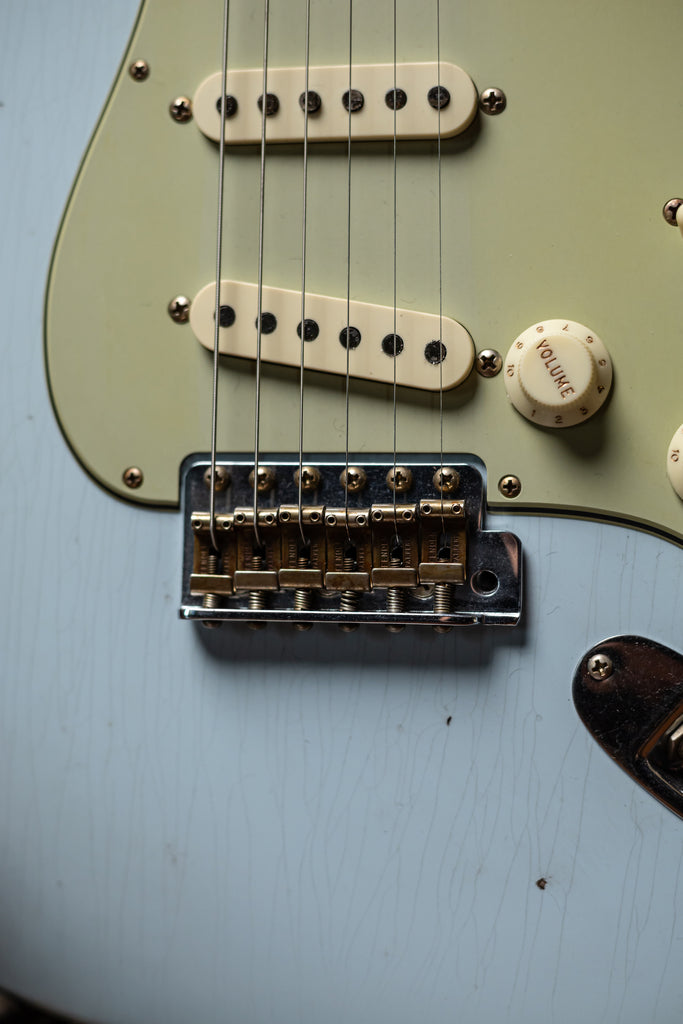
[(284, 827)]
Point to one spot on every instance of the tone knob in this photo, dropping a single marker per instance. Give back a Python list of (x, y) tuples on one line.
[(674, 462), (558, 373)]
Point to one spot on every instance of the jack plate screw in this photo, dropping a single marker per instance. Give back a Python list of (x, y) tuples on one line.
[(600, 666)]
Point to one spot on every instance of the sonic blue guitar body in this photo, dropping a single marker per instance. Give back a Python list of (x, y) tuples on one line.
[(288, 826)]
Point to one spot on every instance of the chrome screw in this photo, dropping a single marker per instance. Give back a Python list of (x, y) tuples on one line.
[(600, 666), (489, 362), (221, 478), (179, 309), (354, 479), (181, 109), (132, 477), (509, 486), (139, 70), (310, 478), (670, 210), (399, 479), (266, 479), (493, 101), (446, 479)]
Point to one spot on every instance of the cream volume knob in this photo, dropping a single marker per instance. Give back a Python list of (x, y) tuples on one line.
[(558, 373)]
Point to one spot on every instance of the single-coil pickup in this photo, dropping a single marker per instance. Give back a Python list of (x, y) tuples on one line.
[(429, 352), (417, 101)]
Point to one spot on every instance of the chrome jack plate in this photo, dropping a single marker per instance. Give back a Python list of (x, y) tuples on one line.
[(628, 692), (405, 548)]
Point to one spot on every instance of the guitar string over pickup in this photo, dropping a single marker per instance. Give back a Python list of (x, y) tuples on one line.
[(361, 558)]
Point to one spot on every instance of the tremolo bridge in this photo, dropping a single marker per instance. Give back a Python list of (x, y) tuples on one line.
[(368, 543)]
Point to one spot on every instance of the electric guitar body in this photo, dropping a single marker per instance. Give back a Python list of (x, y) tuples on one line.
[(358, 824)]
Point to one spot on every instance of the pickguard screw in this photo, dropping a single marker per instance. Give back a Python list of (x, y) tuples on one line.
[(266, 479), (600, 666), (493, 101), (670, 210), (509, 486), (489, 362), (354, 479), (179, 309), (139, 70), (221, 478), (181, 109), (310, 478), (446, 479), (399, 479), (132, 477)]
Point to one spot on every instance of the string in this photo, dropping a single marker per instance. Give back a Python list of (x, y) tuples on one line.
[(395, 346), (347, 390), (302, 328), (219, 257), (440, 243), (262, 185)]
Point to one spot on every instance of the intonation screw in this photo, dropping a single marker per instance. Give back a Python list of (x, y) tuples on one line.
[(354, 479), (600, 666), (132, 477), (670, 210), (266, 479), (139, 70), (446, 479), (399, 479), (179, 309), (310, 478), (489, 362), (181, 109), (493, 101), (510, 486), (221, 478)]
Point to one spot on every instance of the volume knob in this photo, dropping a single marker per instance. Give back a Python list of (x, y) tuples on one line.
[(558, 373)]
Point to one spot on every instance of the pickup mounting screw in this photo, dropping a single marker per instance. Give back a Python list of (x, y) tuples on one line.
[(600, 666), (132, 477), (670, 210), (353, 479), (221, 478), (489, 362), (266, 479), (446, 479), (181, 109), (493, 101), (310, 478), (399, 479), (139, 70), (179, 309), (509, 486)]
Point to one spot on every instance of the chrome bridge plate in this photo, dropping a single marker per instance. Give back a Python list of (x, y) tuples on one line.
[(448, 571)]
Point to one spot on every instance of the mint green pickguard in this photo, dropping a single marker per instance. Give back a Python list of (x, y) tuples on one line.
[(552, 209)]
